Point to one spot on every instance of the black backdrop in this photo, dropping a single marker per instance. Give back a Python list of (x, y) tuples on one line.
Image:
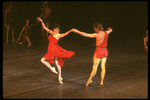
[(128, 19)]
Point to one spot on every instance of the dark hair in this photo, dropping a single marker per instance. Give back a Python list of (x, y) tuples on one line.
[(56, 26), (99, 26)]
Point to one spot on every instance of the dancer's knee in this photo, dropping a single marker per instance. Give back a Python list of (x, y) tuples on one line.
[(94, 71), (42, 60)]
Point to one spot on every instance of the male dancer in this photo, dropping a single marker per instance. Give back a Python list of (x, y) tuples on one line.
[(146, 42), (10, 20), (101, 51)]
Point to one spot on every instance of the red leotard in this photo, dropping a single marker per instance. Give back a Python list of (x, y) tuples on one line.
[(101, 50), (54, 50)]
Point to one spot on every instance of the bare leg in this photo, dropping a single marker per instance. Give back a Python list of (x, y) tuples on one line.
[(59, 71), (7, 34), (28, 41), (43, 60), (96, 62), (103, 71), (13, 37)]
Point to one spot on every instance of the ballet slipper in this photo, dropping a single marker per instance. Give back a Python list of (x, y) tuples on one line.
[(91, 81), (54, 70), (60, 80), (88, 82), (20, 42), (101, 84)]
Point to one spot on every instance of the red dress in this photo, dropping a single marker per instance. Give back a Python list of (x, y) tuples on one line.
[(101, 50), (54, 50)]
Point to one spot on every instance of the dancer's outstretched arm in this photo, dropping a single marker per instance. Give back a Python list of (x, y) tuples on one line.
[(44, 27), (85, 34), (109, 30), (64, 34)]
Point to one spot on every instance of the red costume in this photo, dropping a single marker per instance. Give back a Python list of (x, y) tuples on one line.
[(101, 50), (54, 50)]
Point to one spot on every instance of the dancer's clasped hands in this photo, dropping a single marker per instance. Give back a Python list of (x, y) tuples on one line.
[(74, 30)]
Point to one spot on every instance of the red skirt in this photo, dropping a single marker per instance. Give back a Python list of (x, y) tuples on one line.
[(61, 54), (101, 52)]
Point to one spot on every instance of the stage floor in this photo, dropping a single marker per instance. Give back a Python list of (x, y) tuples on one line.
[(24, 76)]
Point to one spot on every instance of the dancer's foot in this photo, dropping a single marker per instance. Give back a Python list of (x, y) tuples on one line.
[(6, 43), (91, 81), (54, 70), (13, 42), (20, 42), (17, 41), (101, 84), (29, 45), (88, 82), (60, 80)]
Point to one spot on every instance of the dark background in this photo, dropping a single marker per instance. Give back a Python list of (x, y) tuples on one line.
[(128, 19)]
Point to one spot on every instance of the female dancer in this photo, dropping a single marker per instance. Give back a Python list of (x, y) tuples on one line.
[(55, 53), (101, 51), (26, 34)]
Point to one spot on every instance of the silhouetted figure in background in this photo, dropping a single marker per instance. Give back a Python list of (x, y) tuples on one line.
[(146, 42), (26, 30), (45, 16), (10, 20)]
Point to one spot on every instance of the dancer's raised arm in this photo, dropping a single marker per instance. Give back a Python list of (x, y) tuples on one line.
[(109, 30), (44, 27), (85, 34)]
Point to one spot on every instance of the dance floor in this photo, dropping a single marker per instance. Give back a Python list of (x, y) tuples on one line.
[(24, 76)]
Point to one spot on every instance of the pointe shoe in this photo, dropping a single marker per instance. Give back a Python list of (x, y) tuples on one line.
[(88, 82), (101, 84), (91, 81), (60, 80), (54, 70)]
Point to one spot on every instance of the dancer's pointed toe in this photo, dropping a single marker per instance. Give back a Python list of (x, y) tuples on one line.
[(101, 85), (60, 80), (54, 70), (88, 82)]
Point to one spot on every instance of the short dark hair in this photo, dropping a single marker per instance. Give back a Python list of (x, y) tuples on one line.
[(56, 26), (99, 26)]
